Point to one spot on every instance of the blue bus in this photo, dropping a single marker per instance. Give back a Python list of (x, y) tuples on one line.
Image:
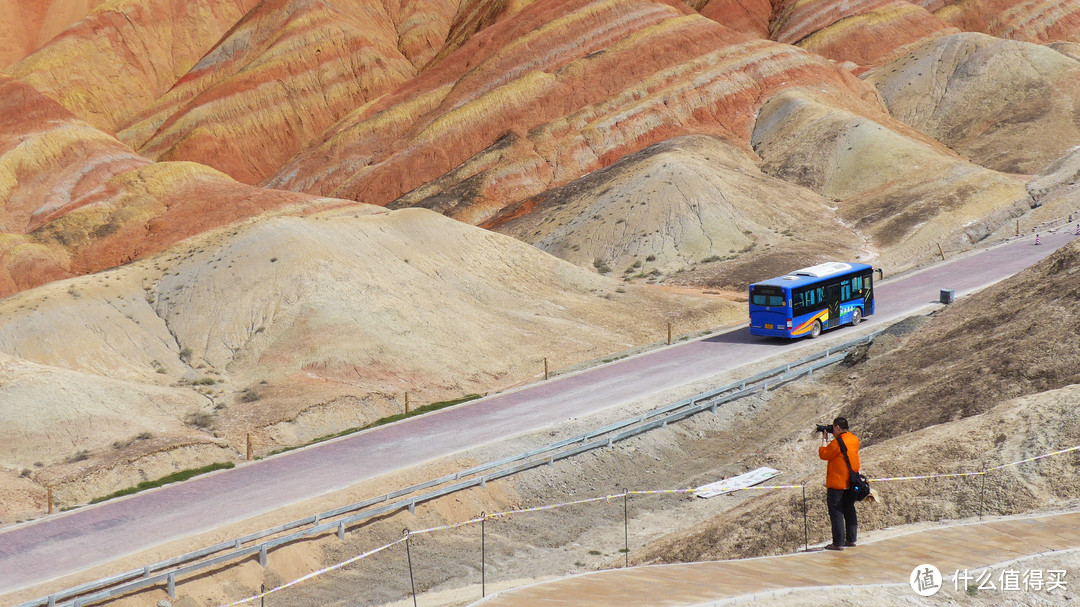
[(810, 300)]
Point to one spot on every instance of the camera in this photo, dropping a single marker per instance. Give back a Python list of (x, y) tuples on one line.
[(823, 428)]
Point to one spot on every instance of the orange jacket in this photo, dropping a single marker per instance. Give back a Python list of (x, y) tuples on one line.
[(837, 475)]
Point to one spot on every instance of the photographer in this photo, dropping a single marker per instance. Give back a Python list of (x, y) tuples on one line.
[(840, 498)]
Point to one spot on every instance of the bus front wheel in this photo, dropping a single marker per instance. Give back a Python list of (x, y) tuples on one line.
[(816, 330), (856, 316)]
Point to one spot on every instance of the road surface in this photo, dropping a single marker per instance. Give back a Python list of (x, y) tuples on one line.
[(74, 541)]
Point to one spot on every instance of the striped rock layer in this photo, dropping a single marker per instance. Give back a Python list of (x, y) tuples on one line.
[(74, 200), (114, 63), (1039, 21), (286, 72), (558, 91)]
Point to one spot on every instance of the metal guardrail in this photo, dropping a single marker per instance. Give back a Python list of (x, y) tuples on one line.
[(168, 571)]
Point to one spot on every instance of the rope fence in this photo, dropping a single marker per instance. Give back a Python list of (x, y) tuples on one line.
[(623, 496)]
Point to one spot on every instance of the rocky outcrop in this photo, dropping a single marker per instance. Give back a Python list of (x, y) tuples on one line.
[(1006, 105), (115, 62)]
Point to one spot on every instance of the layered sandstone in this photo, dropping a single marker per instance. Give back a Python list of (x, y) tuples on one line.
[(116, 61), (864, 32), (75, 200), (560, 90), (1039, 21), (323, 59)]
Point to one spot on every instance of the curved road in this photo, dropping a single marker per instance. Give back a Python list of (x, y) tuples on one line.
[(71, 542)]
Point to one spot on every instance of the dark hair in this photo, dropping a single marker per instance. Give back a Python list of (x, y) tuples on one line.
[(840, 421)]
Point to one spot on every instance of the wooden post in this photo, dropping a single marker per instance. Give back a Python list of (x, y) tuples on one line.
[(545, 368), (406, 403), (1017, 227), (50, 500), (669, 334), (249, 446), (940, 251)]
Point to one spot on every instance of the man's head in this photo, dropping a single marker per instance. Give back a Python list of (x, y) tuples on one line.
[(839, 425)]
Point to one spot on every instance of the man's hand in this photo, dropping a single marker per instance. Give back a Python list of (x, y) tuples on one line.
[(824, 437)]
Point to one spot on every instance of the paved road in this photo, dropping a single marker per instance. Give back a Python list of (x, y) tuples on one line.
[(73, 541)]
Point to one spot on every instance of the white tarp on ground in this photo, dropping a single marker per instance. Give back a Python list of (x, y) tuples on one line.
[(754, 477)]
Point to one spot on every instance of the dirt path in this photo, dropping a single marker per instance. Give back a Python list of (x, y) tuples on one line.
[(889, 561)]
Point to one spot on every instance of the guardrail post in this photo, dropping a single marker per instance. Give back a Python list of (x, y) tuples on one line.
[(341, 530), (483, 482), (262, 556), (52, 600), (171, 586), (412, 510), (146, 571)]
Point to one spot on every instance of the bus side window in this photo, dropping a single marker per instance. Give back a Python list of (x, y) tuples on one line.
[(856, 284), (845, 290)]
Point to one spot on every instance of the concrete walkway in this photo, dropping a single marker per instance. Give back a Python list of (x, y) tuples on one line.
[(886, 561)]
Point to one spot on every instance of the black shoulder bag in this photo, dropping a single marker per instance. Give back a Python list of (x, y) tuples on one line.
[(860, 485)]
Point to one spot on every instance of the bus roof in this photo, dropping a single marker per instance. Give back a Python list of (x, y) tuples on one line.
[(813, 274)]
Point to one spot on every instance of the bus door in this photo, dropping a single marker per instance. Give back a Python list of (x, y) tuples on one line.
[(832, 298), (868, 294)]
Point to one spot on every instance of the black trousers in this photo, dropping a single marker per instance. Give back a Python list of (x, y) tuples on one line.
[(845, 523)]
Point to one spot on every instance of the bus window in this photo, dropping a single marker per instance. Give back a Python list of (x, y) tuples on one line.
[(805, 300), (845, 290), (767, 296)]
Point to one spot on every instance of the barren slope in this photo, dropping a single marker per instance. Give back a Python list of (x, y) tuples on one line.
[(1009, 106), (907, 192), (678, 208), (291, 328)]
